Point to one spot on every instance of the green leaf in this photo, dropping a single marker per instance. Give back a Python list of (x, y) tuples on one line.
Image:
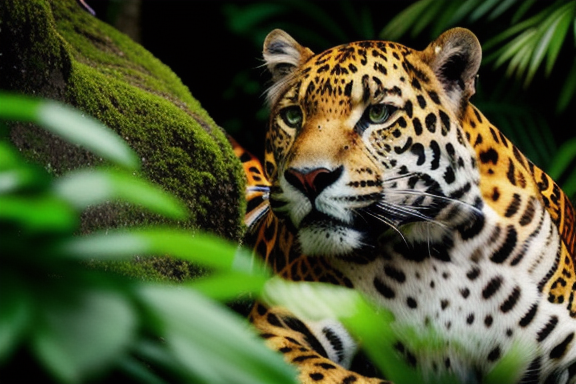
[(566, 16), (483, 8), (228, 285), (92, 187), (405, 20), (76, 338), (211, 341), (45, 213), (203, 249), (16, 315), (561, 162), (568, 89), (69, 124), (138, 371)]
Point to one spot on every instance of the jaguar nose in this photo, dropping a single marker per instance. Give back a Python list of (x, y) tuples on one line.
[(312, 182)]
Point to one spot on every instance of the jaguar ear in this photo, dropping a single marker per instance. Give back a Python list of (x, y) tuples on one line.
[(283, 54), (455, 57)]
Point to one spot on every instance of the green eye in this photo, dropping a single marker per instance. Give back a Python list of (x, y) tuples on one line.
[(378, 113), (292, 116)]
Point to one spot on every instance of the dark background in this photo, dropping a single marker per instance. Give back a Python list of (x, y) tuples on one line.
[(215, 47)]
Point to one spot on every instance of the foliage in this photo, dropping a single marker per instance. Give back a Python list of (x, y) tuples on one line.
[(70, 323), (524, 45)]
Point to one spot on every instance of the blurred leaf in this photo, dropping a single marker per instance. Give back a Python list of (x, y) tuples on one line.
[(211, 341), (91, 187), (244, 18), (405, 20), (483, 8), (228, 285), (568, 89), (565, 155), (138, 371), (204, 249), (15, 315), (70, 125), (43, 213), (75, 339)]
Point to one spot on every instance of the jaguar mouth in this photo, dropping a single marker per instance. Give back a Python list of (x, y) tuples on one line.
[(322, 234)]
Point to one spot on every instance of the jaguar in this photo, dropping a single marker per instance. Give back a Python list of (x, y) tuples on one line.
[(381, 176)]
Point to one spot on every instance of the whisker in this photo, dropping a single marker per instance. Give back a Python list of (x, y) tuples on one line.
[(395, 178), (405, 211), (432, 196), (388, 222)]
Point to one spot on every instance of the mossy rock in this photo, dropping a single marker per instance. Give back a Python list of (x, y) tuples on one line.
[(55, 49)]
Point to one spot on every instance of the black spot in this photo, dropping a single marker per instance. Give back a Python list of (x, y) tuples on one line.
[(514, 205), (488, 320), (383, 288), (465, 292), (511, 173), (408, 108), (559, 350), (298, 326), (304, 358), (411, 302), (285, 349), (245, 157), (348, 88), (417, 126), (400, 150), (506, 249), (492, 287), (511, 301), (529, 212), (494, 354), (532, 375), (418, 150), (445, 123), (273, 320), (489, 156), (547, 329), (471, 228), (349, 379), (380, 68), (416, 84), (260, 309), (421, 101), (316, 376), (435, 155), (473, 273), (434, 96), (529, 316), (449, 175), (444, 304), (431, 122), (401, 122), (470, 319), (394, 273)]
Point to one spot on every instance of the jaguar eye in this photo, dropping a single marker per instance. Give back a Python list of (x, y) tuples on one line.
[(292, 116), (378, 113)]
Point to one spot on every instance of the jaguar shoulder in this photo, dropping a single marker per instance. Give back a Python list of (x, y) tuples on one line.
[(380, 175)]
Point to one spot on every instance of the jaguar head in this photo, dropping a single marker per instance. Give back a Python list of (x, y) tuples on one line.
[(366, 137)]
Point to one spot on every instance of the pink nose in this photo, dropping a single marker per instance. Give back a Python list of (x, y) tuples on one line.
[(314, 181)]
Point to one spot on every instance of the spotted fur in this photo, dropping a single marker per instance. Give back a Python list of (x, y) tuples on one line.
[(379, 175)]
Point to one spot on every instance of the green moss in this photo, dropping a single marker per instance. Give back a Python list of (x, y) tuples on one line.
[(58, 50)]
